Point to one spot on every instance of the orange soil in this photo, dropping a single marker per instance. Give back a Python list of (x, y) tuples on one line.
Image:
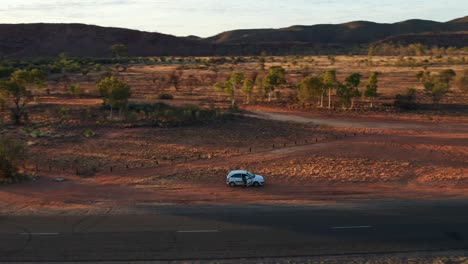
[(427, 162)]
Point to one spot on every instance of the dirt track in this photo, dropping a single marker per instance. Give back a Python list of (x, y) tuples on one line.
[(329, 122)]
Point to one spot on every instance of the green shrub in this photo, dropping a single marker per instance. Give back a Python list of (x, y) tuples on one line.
[(34, 132), (89, 133), (166, 96), (75, 90), (11, 154)]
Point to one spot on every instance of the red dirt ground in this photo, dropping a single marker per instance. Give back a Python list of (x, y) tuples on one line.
[(373, 160)]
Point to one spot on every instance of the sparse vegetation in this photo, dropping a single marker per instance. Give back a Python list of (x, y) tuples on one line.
[(174, 141), (162, 114), (11, 154)]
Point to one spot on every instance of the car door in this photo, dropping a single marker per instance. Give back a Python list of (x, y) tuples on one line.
[(237, 178), (248, 178)]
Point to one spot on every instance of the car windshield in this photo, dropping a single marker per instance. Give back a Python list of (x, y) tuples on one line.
[(250, 174)]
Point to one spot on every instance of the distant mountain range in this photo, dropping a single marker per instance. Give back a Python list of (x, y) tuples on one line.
[(46, 40)]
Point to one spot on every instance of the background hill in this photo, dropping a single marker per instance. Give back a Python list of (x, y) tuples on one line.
[(352, 33), (45, 40), (441, 39), (460, 20), (33, 40)]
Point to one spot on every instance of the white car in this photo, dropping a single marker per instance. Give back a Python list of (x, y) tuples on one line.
[(235, 178)]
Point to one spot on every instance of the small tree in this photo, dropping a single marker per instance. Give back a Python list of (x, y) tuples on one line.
[(115, 93), (352, 82), (349, 90), (247, 89), (310, 88), (275, 77), (19, 90), (371, 88), (344, 93), (329, 83), (437, 85), (11, 154), (231, 86)]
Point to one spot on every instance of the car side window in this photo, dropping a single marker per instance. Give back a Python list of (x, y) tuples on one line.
[(236, 176)]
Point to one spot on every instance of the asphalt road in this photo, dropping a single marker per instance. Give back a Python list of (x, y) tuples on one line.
[(213, 232)]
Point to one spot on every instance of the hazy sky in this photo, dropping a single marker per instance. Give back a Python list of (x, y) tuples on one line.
[(209, 17)]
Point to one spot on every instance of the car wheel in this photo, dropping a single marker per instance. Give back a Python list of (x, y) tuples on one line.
[(256, 184), (232, 184)]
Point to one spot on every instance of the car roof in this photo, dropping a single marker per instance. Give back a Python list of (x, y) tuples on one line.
[(237, 171)]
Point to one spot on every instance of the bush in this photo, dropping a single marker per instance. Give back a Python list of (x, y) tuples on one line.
[(406, 101), (75, 90), (88, 133), (5, 72), (161, 113), (166, 96), (34, 132), (11, 153)]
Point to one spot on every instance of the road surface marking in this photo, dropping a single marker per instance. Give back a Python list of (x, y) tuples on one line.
[(39, 234), (351, 227), (197, 231)]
